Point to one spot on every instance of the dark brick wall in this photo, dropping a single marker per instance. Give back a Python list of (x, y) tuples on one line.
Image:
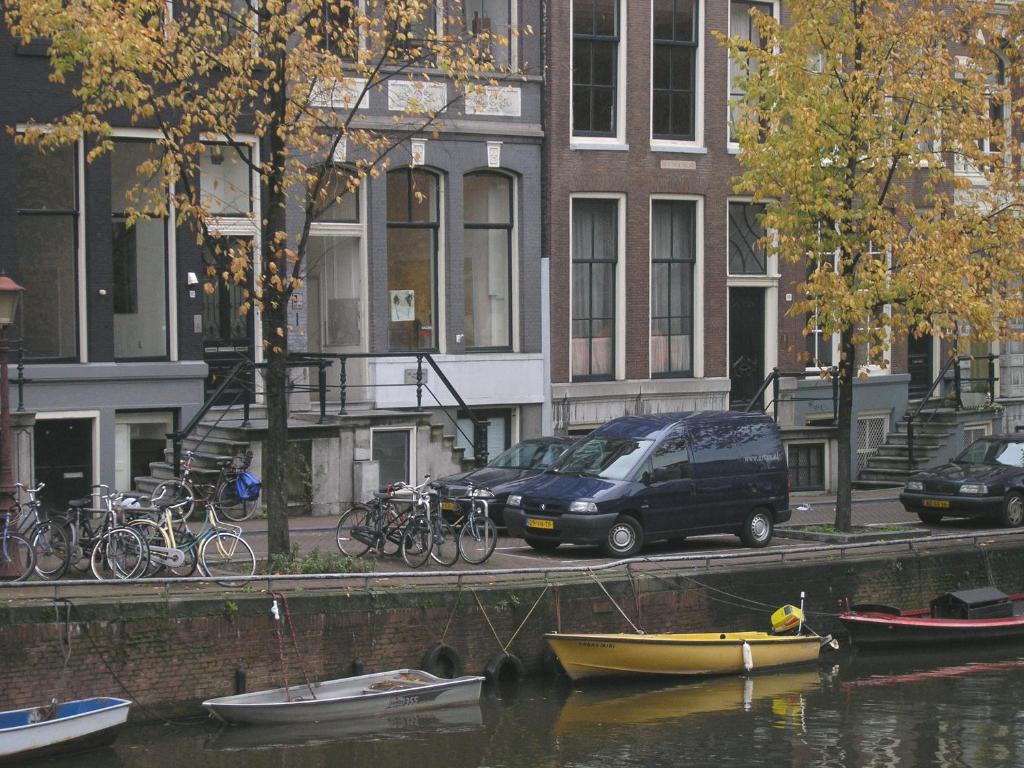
[(180, 650)]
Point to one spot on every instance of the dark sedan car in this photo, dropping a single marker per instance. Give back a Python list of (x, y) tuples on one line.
[(986, 480), (519, 462)]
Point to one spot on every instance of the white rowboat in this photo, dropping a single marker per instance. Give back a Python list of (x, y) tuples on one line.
[(383, 693), (72, 726)]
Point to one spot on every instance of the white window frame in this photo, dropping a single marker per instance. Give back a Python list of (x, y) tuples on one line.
[(698, 280), (733, 147), (769, 281), (620, 282), (618, 141), (826, 462), (696, 145)]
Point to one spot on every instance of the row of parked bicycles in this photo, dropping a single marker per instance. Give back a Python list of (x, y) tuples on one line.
[(114, 535), (407, 521)]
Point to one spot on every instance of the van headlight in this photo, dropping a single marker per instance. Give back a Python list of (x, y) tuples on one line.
[(582, 506), (975, 489), (915, 485), (514, 501)]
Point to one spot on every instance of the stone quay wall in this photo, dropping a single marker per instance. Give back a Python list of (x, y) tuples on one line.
[(173, 651)]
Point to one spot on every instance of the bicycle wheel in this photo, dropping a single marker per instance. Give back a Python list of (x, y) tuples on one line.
[(52, 551), (190, 547), (355, 531), (17, 558), (156, 544), (417, 541), (477, 539), (225, 556), (230, 506), (394, 522), (181, 494), (446, 544), (120, 553)]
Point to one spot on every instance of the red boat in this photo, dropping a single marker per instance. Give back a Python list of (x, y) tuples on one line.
[(972, 615)]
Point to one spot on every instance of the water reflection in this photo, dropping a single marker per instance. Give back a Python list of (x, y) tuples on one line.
[(955, 710)]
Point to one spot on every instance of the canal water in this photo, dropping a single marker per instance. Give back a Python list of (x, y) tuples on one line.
[(908, 709)]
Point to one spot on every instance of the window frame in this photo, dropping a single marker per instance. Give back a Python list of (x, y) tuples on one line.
[(615, 140), (510, 229), (512, 47), (78, 255), (732, 146), (696, 145), (695, 236), (825, 466), (618, 290), (438, 250)]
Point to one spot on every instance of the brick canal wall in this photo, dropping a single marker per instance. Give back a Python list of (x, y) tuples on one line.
[(179, 650)]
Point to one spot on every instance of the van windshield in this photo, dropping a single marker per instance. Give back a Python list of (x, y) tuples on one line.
[(610, 458)]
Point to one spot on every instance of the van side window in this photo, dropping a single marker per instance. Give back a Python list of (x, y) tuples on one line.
[(671, 460)]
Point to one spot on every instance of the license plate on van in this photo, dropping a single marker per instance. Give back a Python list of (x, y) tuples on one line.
[(449, 506), (547, 525), (936, 503)]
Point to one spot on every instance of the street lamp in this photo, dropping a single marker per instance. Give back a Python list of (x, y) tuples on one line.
[(10, 298)]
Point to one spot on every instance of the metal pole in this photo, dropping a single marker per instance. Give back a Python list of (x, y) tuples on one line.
[(775, 395), (6, 472), (835, 395), (956, 384), (342, 379), (419, 382), (991, 378), (910, 443), (321, 381), (21, 377)]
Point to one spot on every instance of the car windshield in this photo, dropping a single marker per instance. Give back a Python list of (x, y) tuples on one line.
[(527, 455), (1009, 453), (610, 458)]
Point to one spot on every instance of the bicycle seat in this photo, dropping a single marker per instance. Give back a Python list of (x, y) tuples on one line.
[(85, 503), (163, 504)]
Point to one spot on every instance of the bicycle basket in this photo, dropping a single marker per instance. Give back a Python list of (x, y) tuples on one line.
[(247, 486)]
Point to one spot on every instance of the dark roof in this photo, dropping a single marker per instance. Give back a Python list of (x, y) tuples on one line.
[(651, 424)]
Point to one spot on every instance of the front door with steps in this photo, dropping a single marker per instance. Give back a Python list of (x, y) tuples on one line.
[(227, 336), (746, 345)]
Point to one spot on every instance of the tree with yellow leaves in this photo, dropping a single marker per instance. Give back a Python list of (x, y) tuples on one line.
[(878, 133), (293, 75)]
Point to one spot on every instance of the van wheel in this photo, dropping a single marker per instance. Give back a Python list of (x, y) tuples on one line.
[(757, 528), (624, 538)]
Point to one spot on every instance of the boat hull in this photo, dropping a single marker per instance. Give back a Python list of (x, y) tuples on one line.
[(585, 656), (883, 630), (78, 725), (344, 698)]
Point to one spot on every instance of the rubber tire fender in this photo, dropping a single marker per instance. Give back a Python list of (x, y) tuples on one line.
[(550, 663), (442, 660), (504, 668)]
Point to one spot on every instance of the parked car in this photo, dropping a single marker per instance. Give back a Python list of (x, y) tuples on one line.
[(986, 480), (637, 479), (521, 461)]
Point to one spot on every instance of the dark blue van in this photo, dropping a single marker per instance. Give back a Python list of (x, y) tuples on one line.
[(638, 479)]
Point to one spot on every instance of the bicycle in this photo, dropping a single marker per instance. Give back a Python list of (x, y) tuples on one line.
[(50, 540), (426, 535), (217, 550), (185, 491), (376, 525), (17, 558), (112, 550), (478, 535)]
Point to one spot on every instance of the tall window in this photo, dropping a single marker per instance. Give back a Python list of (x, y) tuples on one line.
[(595, 245), (413, 216), (747, 255), (333, 201), (676, 40), (335, 22), (224, 324), (487, 268), (818, 344), (225, 180), (140, 255), (996, 109), (421, 33), (494, 19), (673, 258), (46, 247), (741, 24), (595, 52)]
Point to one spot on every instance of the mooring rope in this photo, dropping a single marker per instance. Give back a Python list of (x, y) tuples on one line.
[(612, 600), (458, 599), (505, 646), (295, 644)]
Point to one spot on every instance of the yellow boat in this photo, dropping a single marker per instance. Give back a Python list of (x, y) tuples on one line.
[(711, 653)]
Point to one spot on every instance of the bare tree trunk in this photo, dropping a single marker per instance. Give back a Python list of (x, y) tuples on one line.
[(844, 479)]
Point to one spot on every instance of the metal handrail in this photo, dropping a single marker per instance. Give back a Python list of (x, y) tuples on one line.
[(779, 554), (772, 379)]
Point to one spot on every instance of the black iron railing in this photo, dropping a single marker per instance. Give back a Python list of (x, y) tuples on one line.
[(772, 380)]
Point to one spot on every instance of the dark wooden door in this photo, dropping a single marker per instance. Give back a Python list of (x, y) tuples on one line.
[(63, 459), (746, 345), (919, 365), (228, 337)]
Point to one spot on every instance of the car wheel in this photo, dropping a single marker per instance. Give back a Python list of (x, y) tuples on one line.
[(543, 545), (624, 538), (930, 518), (757, 528), (1013, 510)]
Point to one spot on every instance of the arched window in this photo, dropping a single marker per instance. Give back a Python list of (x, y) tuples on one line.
[(413, 222), (487, 265)]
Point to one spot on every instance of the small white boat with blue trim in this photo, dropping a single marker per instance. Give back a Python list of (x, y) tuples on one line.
[(383, 693), (60, 728)]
